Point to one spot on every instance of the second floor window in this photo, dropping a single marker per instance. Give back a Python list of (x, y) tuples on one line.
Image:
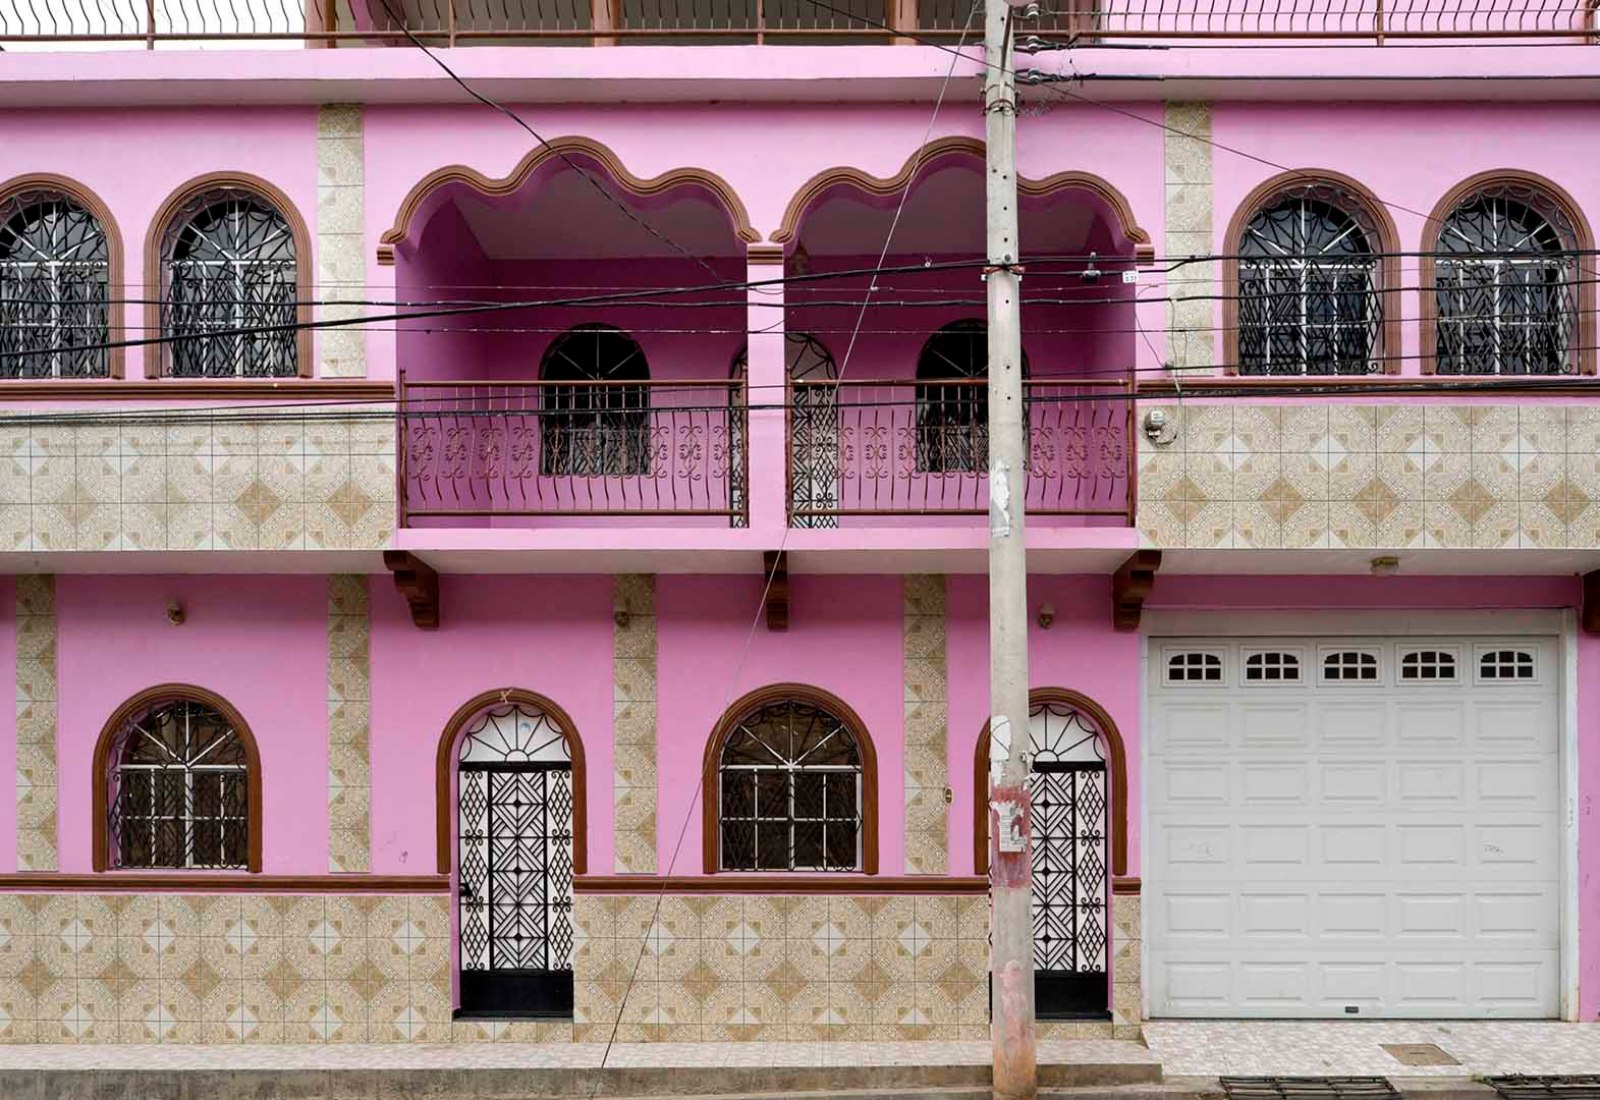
[(54, 288), (953, 400), (228, 264), (1308, 293), (595, 417), (1505, 286)]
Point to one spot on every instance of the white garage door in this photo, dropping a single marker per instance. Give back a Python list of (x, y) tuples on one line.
[(1356, 826)]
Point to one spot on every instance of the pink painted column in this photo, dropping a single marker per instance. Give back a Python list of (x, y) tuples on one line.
[(767, 382)]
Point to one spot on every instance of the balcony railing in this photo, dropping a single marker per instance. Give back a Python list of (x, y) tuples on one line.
[(864, 449), (509, 22), (540, 451)]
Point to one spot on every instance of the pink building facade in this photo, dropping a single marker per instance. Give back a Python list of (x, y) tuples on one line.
[(466, 586)]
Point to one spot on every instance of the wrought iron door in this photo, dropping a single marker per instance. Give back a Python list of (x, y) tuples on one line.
[(1069, 888), (515, 872)]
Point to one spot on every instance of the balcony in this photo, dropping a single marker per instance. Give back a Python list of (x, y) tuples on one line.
[(326, 23), (553, 454), (874, 452)]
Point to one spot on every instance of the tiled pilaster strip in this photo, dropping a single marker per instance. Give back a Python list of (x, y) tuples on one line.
[(36, 723), (349, 709), (1189, 233), (634, 725), (341, 256), (1127, 948), (927, 770)]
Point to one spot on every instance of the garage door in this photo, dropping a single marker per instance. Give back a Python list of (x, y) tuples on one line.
[(1353, 827)]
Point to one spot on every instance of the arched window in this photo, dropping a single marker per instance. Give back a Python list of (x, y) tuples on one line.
[(595, 419), (55, 279), (953, 399), (229, 263), (1309, 284), (177, 785), (790, 779), (1505, 284)]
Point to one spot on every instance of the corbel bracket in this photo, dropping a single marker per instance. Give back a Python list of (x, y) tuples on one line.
[(1130, 584), (775, 572), (418, 583)]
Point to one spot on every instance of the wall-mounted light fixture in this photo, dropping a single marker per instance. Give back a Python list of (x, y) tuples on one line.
[(176, 612), (1047, 615), (1385, 566)]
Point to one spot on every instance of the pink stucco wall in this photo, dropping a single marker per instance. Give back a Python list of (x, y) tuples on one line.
[(548, 635), (134, 159), (845, 636), (259, 642)]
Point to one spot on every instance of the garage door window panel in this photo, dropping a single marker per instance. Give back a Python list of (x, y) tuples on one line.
[(1429, 666), (1507, 665), (1272, 666), (1351, 666), (1194, 667)]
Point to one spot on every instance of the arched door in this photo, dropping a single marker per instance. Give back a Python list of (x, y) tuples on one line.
[(515, 842)]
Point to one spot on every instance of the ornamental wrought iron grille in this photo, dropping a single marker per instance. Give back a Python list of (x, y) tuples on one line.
[(230, 305), (180, 790), (1068, 784), (814, 490), (54, 288), (1309, 300), (790, 791), (514, 799), (599, 424), (953, 419), (1506, 286)]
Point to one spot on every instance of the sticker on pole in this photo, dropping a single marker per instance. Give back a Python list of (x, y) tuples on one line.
[(1009, 815)]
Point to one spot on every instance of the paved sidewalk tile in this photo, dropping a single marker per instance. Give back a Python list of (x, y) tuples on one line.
[(550, 1055), (1211, 1048)]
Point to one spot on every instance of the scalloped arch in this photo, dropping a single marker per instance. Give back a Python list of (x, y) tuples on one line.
[(559, 149), (944, 147)]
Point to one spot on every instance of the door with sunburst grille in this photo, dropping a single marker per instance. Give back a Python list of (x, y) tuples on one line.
[(514, 797)]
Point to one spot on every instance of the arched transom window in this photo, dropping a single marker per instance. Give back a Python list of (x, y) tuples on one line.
[(54, 288), (179, 788), (595, 417), (228, 259), (1308, 291), (790, 790), (1506, 285)]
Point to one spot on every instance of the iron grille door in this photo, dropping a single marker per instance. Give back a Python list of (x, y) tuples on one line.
[(1069, 882), (516, 889)]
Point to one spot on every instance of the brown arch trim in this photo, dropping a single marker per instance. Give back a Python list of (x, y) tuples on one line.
[(1387, 246), (445, 770), (939, 149), (559, 149), (155, 282), (777, 693), (1553, 193), (1116, 764), (115, 281), (101, 769)]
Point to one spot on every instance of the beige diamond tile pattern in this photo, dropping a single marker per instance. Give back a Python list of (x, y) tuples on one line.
[(926, 726), (349, 733), (633, 716), (1388, 476), (36, 722)]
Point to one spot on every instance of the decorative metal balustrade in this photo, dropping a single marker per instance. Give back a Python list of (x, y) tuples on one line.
[(489, 22), (485, 450), (893, 448)]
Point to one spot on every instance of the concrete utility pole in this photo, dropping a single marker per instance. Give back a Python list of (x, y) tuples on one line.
[(1011, 813)]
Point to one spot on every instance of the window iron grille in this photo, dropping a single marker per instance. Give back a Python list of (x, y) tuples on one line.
[(1505, 286), (596, 425), (790, 791), (1309, 300), (953, 400), (54, 288), (231, 289), (180, 783)]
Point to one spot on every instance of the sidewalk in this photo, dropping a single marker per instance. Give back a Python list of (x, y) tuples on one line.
[(1324, 1048)]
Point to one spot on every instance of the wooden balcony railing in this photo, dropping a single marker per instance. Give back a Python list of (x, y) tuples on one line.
[(511, 22), (475, 451), (861, 449)]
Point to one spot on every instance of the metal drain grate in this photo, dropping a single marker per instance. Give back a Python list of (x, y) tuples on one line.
[(1309, 1088), (1577, 1087)]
